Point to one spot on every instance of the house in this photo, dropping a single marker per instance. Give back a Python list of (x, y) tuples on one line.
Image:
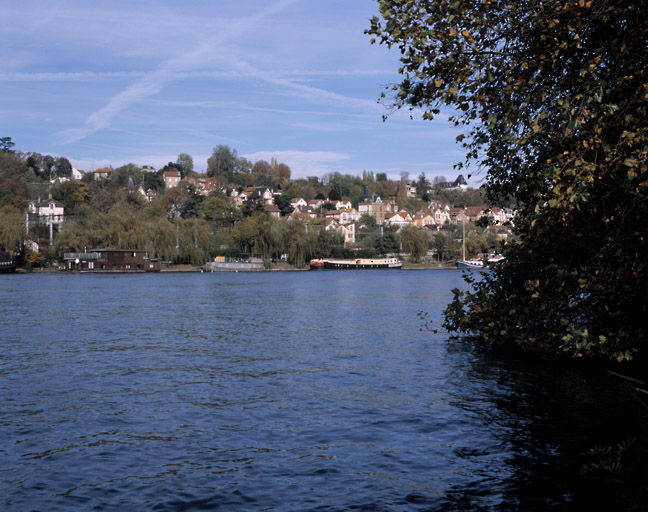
[(391, 206), (441, 216), (77, 174), (341, 205), (111, 260), (203, 184), (499, 215), (102, 174), (399, 219), (459, 184), (272, 210), (148, 194), (376, 208), (474, 213), (316, 203), (266, 193), (424, 218), (171, 179), (435, 203), (298, 215), (49, 212), (347, 230), (348, 215), (458, 216), (307, 210), (332, 214), (297, 202)]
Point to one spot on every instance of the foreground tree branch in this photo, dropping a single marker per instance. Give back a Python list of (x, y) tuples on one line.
[(554, 98)]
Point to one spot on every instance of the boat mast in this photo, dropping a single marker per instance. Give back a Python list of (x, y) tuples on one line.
[(464, 237)]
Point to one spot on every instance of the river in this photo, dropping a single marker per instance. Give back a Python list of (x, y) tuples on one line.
[(281, 391)]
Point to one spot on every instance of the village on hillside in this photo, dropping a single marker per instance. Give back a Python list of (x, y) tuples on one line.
[(180, 216)]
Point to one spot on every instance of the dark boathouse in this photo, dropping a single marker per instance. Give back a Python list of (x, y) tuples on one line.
[(111, 260)]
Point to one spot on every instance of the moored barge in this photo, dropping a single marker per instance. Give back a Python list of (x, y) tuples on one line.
[(356, 264)]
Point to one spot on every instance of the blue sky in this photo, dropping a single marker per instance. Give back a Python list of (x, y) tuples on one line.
[(106, 83)]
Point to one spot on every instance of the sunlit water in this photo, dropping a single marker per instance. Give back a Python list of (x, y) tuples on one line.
[(277, 391)]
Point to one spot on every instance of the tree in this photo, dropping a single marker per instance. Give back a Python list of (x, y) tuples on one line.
[(553, 98), (415, 242), (71, 193), (262, 167), (283, 173), (62, 167), (185, 164), (243, 166), (440, 245), (128, 175), (13, 180), (283, 203), (300, 242), (6, 145), (191, 205), (401, 196), (422, 185), (222, 162), (245, 233), (12, 226), (253, 205), (153, 181)]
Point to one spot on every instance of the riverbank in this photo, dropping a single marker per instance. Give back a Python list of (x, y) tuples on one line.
[(274, 266)]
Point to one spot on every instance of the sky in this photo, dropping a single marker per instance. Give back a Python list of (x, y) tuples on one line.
[(107, 83)]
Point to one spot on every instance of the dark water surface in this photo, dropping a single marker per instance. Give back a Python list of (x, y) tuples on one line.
[(278, 391)]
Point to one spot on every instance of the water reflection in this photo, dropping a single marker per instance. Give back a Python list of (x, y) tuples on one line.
[(547, 418)]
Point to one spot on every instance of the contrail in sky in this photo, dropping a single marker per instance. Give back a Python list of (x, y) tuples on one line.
[(154, 81)]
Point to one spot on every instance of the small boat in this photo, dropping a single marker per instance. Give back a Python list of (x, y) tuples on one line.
[(224, 264), (355, 264), (482, 260)]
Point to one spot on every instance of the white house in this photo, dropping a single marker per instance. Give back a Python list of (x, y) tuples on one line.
[(77, 174), (441, 216), (349, 215), (400, 219), (298, 202), (49, 211)]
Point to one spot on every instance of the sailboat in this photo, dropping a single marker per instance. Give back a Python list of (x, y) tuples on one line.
[(479, 262)]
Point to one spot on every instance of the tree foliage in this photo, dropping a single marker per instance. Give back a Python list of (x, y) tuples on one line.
[(554, 98), (415, 242), (222, 162)]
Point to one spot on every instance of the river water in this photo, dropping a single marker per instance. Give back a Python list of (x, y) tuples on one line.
[(280, 391)]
